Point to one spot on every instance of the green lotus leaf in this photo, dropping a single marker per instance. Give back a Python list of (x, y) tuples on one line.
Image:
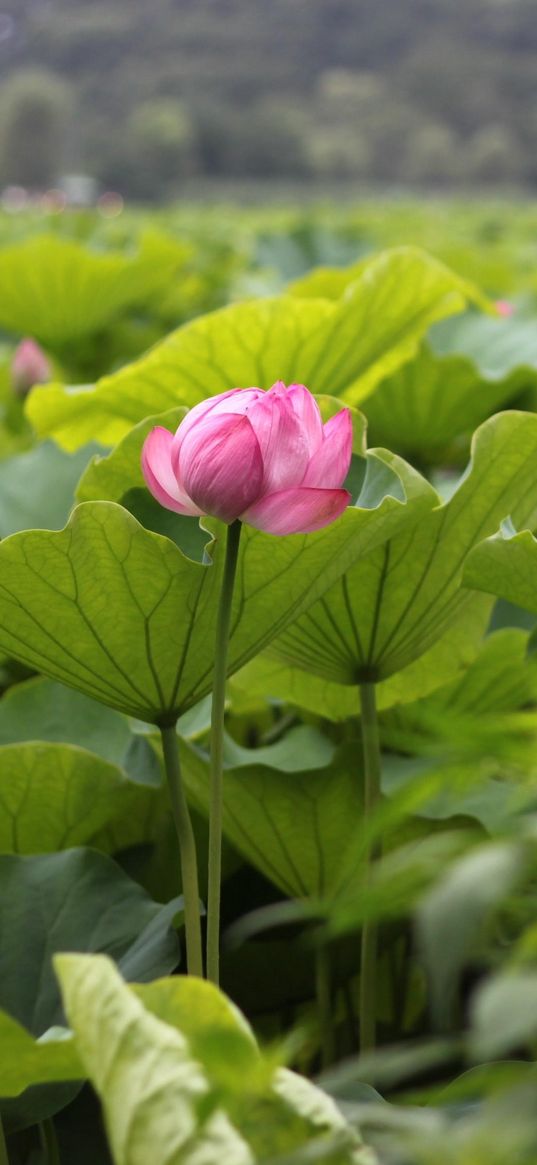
[(26, 1061), (271, 677), (327, 282), (453, 913), (506, 565), (121, 614), (343, 348), (160, 1061), (79, 900), (335, 282), (55, 796), (430, 401), (504, 1013), (101, 909), (58, 290), (498, 347), (293, 826), (44, 711), (41, 709), (501, 679), (26, 497), (395, 604)]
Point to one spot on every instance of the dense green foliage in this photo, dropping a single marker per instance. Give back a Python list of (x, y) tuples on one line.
[(413, 91), (425, 590)]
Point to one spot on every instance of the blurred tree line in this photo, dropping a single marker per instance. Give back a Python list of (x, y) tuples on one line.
[(422, 92)]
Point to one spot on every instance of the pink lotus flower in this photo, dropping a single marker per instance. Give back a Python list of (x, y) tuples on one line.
[(263, 457), (29, 366)]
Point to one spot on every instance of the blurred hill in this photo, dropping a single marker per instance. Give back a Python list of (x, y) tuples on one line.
[(144, 93)]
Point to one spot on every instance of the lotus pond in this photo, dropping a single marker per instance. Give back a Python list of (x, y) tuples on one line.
[(268, 769)]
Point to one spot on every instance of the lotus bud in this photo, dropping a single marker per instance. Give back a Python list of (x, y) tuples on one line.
[(29, 366), (265, 458), (504, 308)]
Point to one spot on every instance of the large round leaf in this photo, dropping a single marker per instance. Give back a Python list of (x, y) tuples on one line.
[(55, 796), (121, 614), (395, 604), (26, 497), (271, 676), (41, 709), (44, 710), (295, 827), (504, 1014), (498, 347), (58, 290), (26, 1061), (169, 1090), (431, 400), (506, 565), (452, 916), (78, 901), (342, 347), (501, 679)]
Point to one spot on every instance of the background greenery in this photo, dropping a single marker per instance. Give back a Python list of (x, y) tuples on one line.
[(415, 92)]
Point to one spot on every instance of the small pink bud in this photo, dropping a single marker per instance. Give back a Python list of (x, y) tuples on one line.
[(29, 366), (263, 457), (504, 308)]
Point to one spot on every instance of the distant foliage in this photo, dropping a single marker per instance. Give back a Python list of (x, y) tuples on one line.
[(415, 91), (35, 111)]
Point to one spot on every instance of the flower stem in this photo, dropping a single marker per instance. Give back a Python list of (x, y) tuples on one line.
[(187, 851), (4, 1156), (368, 962), (217, 751), (49, 1142)]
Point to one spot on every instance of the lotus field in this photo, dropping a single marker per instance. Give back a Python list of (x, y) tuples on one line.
[(268, 714)]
